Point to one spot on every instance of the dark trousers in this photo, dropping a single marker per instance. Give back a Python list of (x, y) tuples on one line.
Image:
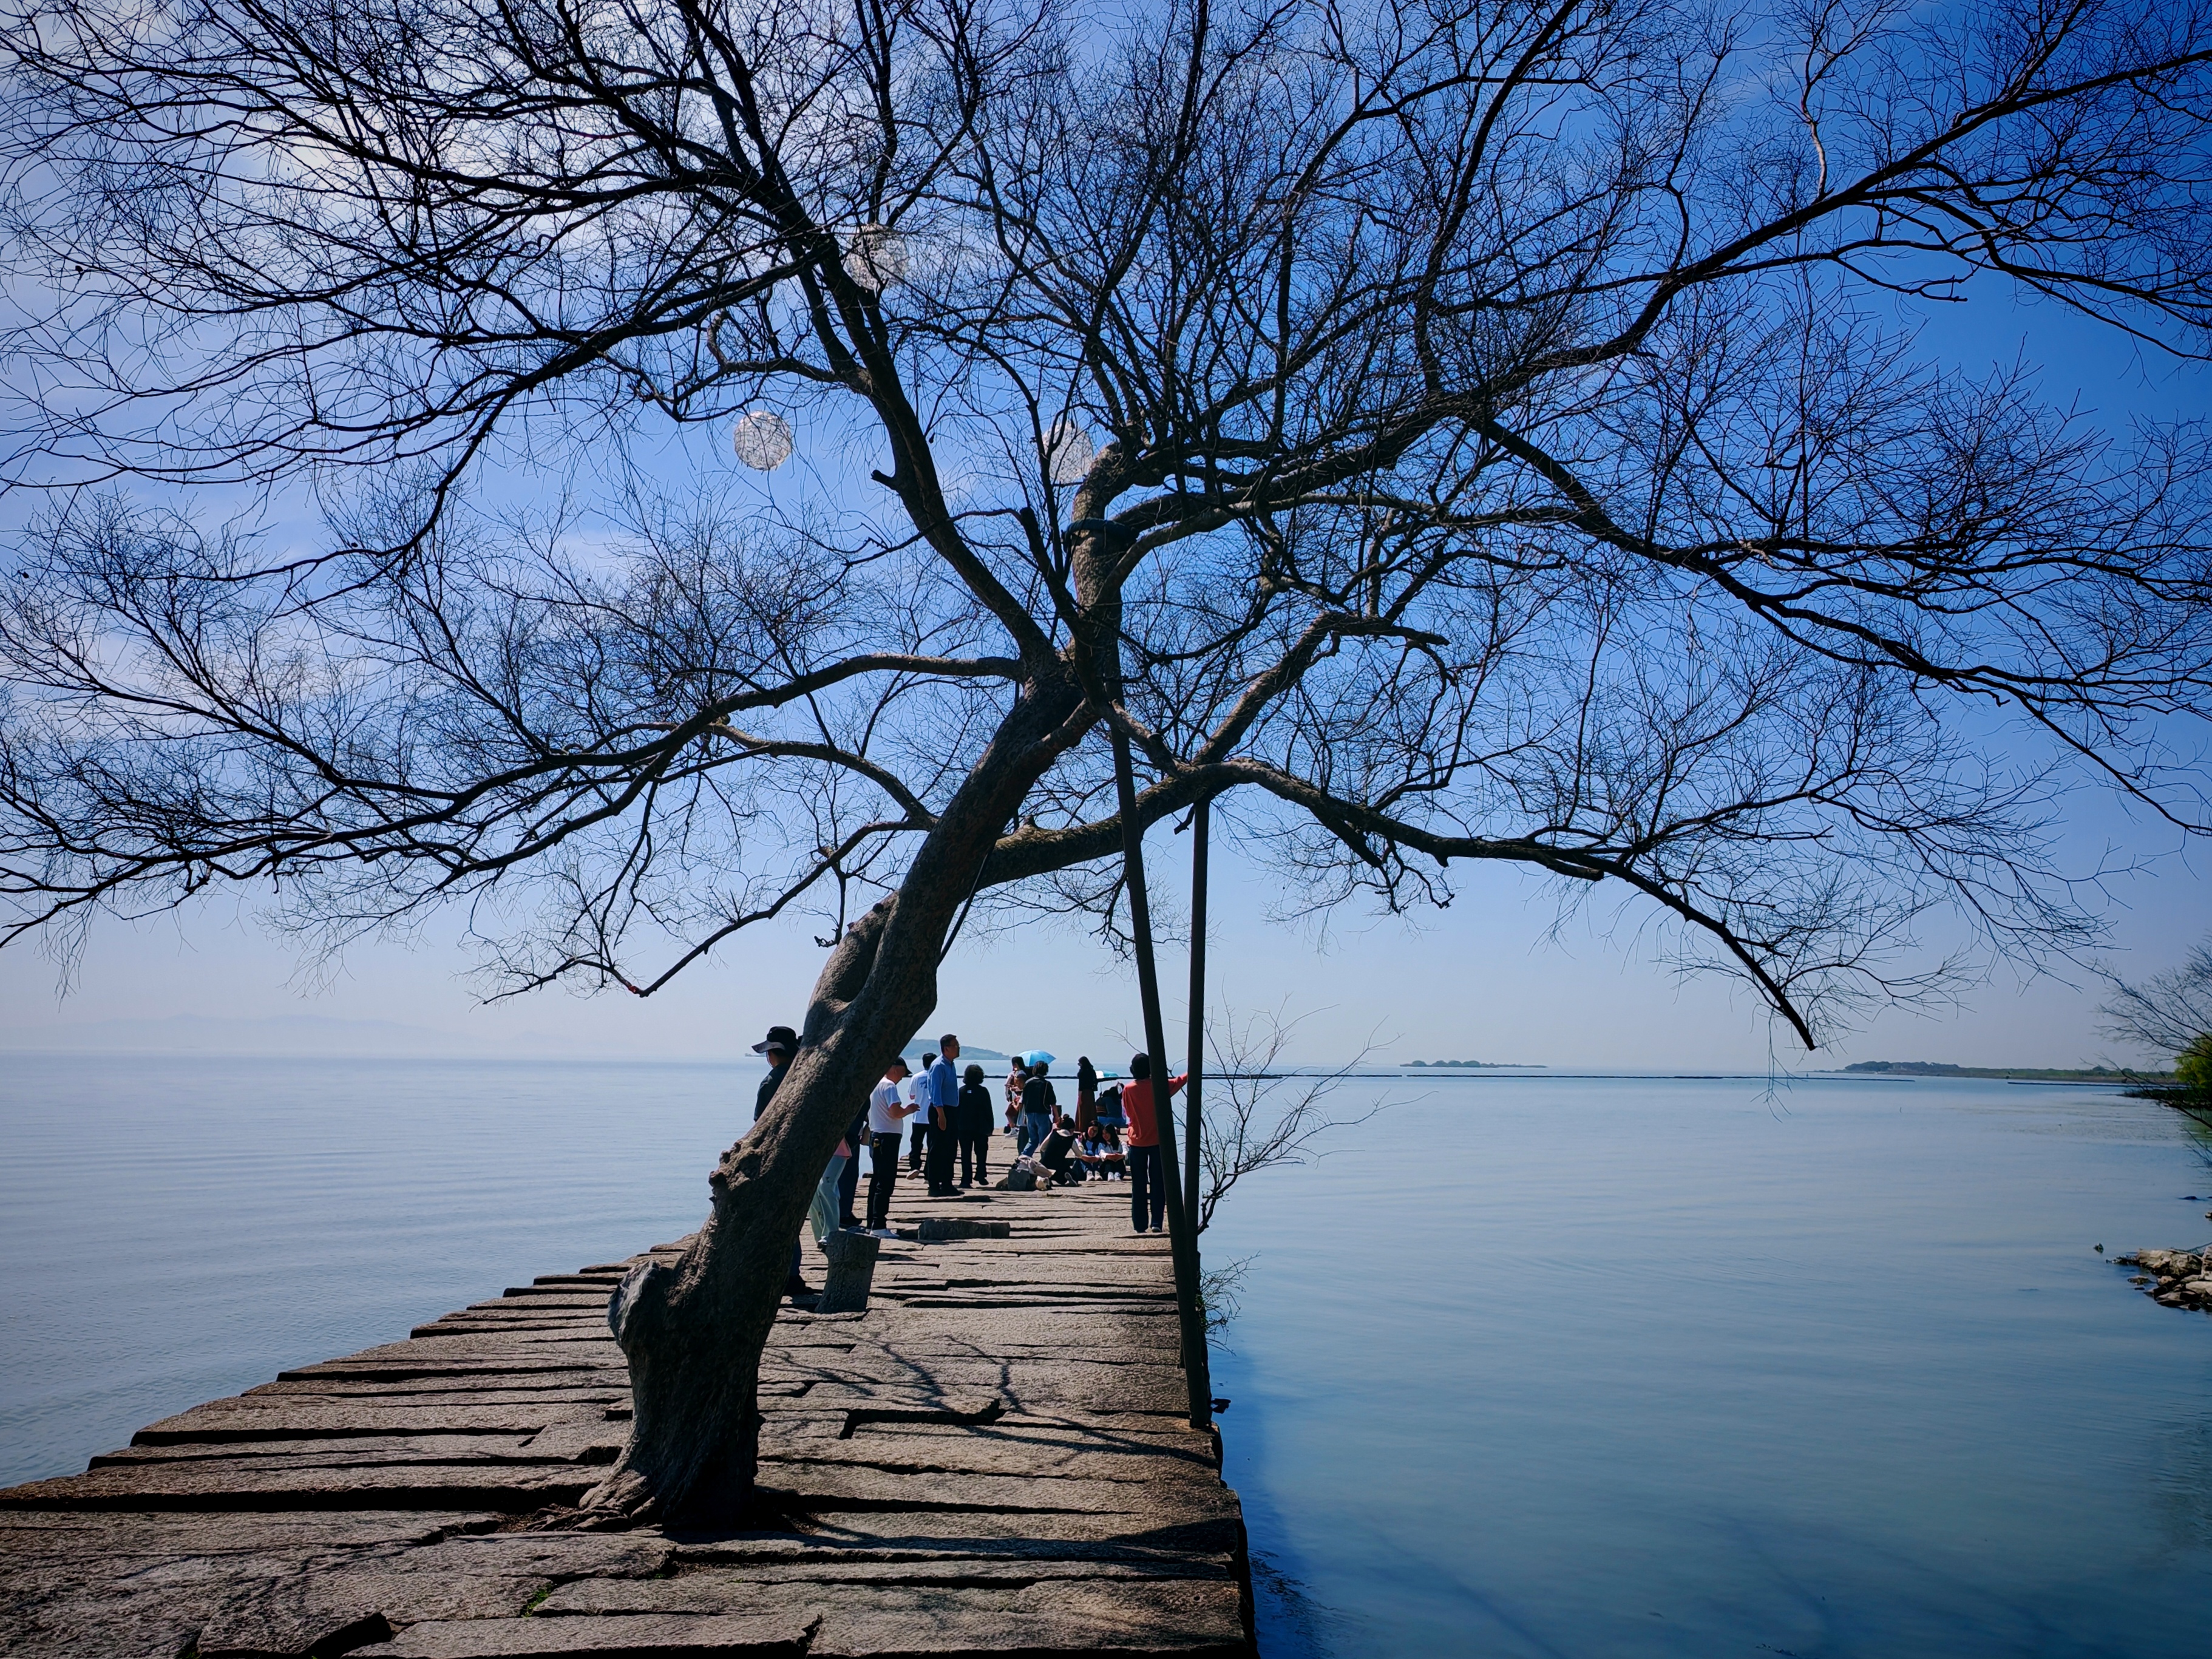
[(1148, 1188), (939, 1168), (921, 1128), (976, 1158), (849, 1183), (883, 1175)]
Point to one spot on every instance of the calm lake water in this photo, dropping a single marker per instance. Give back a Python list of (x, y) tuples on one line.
[(1533, 1366)]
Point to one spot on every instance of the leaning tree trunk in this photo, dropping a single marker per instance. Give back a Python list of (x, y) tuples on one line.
[(693, 1333)]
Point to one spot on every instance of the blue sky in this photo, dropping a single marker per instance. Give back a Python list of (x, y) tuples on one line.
[(1487, 980), (1491, 979)]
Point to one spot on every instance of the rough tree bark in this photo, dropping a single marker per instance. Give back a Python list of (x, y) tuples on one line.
[(694, 1334)]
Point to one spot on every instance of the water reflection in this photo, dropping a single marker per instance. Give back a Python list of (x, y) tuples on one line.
[(1637, 1368)]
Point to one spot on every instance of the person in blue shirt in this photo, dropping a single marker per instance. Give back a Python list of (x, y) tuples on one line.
[(944, 1102)]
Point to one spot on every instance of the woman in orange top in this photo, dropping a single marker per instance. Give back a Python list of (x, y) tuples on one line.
[(1148, 1186)]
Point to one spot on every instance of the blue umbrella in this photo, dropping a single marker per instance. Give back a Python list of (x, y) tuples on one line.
[(1039, 1057)]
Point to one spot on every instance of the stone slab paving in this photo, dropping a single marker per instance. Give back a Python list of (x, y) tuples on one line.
[(990, 1460)]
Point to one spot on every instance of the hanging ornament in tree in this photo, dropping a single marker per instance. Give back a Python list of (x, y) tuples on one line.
[(1068, 452), (875, 258), (762, 440)]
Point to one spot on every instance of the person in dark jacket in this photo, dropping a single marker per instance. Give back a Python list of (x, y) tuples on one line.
[(778, 1046), (1037, 1103), (972, 1123), (1086, 1094), (1056, 1152)]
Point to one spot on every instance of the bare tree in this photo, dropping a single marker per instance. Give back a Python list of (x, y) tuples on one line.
[(1431, 429), (2167, 1012), (2171, 1013), (1258, 1116)]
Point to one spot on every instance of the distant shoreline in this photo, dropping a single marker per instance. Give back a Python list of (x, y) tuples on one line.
[(343, 1052), (1929, 1068)]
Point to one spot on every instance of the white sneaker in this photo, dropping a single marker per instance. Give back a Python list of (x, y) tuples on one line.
[(881, 1232)]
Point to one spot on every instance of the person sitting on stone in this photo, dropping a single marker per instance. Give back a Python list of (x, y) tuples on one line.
[(1101, 1156), (1110, 1118)]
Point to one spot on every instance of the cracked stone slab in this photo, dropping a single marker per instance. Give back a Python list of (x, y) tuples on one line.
[(231, 1486), (31, 1534), (355, 1449), (341, 1611), (496, 1390), (989, 1461), (764, 1636), (741, 1588), (262, 1418), (1178, 1620), (872, 1616), (978, 1530)]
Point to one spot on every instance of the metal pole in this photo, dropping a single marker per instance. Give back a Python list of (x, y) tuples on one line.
[(1194, 1142), (1182, 1243)]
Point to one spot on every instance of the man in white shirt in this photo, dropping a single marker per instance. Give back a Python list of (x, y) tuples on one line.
[(915, 1092), (886, 1114)]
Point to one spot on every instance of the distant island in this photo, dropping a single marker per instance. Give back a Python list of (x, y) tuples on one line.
[(2020, 1073), (1475, 1065)]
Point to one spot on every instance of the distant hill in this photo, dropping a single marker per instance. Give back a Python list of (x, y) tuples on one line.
[(2019, 1073), (995, 1064), (1474, 1065), (328, 1036)]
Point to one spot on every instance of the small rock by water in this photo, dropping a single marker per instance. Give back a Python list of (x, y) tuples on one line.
[(2175, 1279)]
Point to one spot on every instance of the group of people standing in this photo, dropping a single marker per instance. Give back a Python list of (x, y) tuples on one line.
[(952, 1114), (947, 1111), (1114, 1129)]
